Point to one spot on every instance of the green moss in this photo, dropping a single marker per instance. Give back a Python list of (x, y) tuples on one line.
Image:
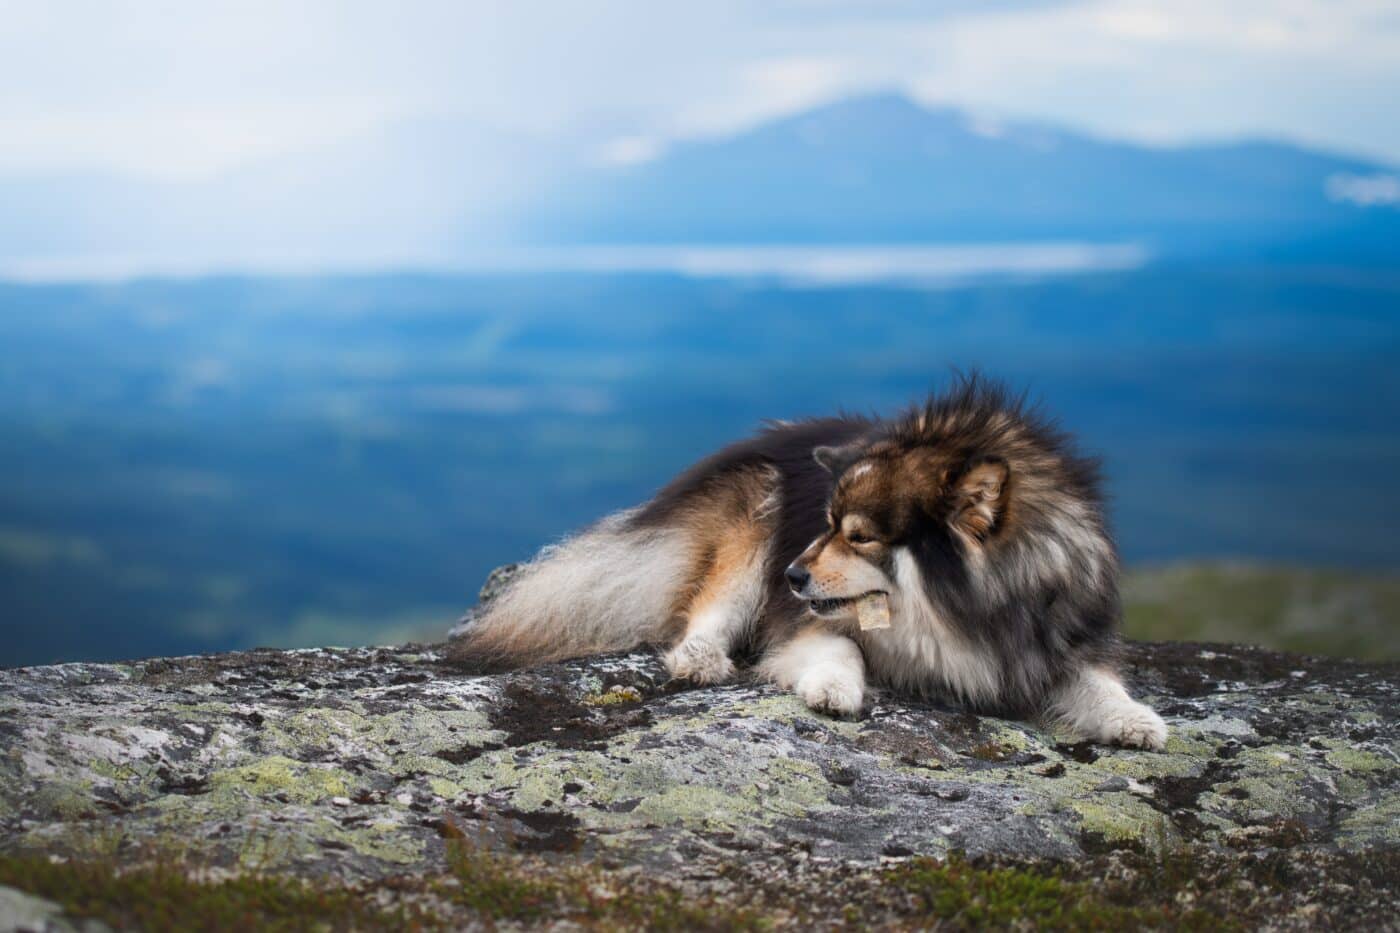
[(1352, 787), (1182, 740), (434, 730), (498, 887), (1369, 824), (347, 731), (406, 766), (475, 886), (383, 841), (1353, 760), (701, 795), (1144, 766), (494, 887), (1126, 819), (162, 895), (671, 911), (795, 788), (314, 730), (1277, 780), (693, 805), (959, 895), (991, 751), (1013, 737), (614, 697), (302, 783), (63, 800), (444, 788)]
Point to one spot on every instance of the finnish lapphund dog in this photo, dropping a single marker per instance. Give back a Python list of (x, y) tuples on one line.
[(957, 551)]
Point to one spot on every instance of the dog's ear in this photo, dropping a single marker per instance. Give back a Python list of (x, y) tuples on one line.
[(835, 460), (979, 496)]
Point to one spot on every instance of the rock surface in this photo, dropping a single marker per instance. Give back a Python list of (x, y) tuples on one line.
[(351, 763), (20, 911)]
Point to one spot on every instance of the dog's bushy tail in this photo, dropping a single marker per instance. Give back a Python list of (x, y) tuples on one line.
[(609, 588)]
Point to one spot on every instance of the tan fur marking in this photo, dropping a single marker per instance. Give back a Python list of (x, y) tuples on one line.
[(732, 528), (732, 557), (725, 525), (854, 523), (838, 570), (980, 493)]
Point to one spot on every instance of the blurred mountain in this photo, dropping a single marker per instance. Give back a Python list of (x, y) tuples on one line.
[(868, 170), (882, 168)]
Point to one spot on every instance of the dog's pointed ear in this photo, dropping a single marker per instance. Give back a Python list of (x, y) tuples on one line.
[(835, 460), (980, 496)]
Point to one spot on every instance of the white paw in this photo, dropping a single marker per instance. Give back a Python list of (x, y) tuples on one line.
[(1135, 727), (829, 692), (700, 661)]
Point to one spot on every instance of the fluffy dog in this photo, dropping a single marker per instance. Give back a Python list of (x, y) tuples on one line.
[(957, 551)]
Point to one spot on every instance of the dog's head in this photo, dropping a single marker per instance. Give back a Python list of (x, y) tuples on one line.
[(888, 502)]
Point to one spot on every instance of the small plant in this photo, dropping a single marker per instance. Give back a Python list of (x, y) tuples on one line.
[(495, 886), (991, 751), (959, 894), (614, 696), (159, 893), (511, 887), (1176, 887)]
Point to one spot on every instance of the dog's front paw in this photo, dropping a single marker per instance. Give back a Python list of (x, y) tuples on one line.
[(1136, 727), (699, 661), (831, 692)]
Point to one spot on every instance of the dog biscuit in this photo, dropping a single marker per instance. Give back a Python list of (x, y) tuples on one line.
[(873, 611)]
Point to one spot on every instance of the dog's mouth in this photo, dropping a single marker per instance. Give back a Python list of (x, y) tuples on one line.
[(838, 606)]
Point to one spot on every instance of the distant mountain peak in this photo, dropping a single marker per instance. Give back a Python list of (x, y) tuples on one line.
[(888, 103), (884, 167), (876, 112)]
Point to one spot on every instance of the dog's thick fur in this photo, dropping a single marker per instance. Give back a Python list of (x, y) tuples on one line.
[(972, 514)]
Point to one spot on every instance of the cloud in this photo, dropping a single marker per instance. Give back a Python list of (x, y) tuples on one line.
[(631, 150), (1320, 72), (178, 90), (1365, 190), (780, 85)]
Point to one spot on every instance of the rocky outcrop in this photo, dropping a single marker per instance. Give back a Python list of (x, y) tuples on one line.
[(356, 762)]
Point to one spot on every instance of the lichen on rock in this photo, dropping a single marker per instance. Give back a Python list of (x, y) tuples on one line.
[(361, 763)]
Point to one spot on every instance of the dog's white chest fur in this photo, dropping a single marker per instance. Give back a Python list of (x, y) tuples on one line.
[(921, 652)]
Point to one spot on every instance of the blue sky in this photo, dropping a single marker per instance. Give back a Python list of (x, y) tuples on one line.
[(180, 90)]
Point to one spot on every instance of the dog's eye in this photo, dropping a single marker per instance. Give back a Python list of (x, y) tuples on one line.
[(859, 537)]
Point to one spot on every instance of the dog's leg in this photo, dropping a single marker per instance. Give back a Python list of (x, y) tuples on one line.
[(724, 610), (1094, 705), (826, 670)]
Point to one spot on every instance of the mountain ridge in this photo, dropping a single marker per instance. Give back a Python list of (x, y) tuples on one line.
[(874, 169), (882, 168)]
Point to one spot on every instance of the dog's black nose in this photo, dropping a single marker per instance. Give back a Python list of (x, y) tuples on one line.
[(797, 577)]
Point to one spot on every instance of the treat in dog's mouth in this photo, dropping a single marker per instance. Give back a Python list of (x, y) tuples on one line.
[(872, 608)]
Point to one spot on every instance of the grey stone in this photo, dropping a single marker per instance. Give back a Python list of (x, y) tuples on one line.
[(496, 581), (1113, 784), (24, 913), (256, 754)]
